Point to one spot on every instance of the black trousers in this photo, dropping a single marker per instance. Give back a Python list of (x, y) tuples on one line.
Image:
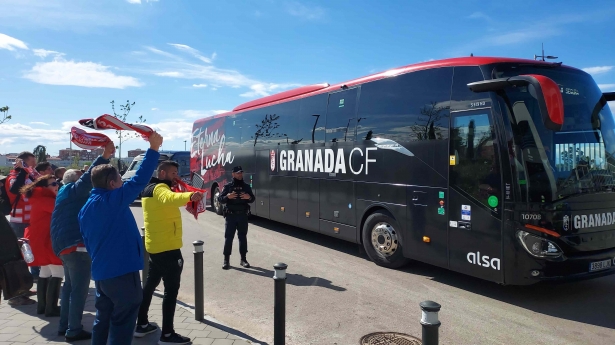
[(236, 223), (168, 267)]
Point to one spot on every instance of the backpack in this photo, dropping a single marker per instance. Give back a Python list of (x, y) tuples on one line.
[(5, 202)]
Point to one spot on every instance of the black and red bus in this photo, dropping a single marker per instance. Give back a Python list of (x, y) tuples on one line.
[(499, 168)]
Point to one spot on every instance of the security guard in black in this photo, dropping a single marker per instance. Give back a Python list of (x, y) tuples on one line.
[(236, 196)]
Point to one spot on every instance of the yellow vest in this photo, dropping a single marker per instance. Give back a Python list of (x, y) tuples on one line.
[(163, 220)]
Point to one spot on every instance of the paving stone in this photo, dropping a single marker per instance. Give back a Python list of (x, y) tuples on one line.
[(241, 342), (218, 334), (223, 342), (23, 338), (202, 341), (198, 334)]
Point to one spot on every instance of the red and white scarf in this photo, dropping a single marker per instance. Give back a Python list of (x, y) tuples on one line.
[(88, 141), (194, 207), (107, 121)]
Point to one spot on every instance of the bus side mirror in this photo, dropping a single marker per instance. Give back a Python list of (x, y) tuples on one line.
[(609, 96), (545, 90)]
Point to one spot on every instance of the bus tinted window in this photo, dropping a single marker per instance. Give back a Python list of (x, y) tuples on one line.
[(274, 125), (413, 106), (311, 120), (341, 120), (232, 130), (462, 97)]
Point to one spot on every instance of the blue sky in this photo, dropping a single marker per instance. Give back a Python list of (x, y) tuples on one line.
[(179, 60)]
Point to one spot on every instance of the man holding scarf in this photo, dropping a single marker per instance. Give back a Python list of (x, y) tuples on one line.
[(68, 245)]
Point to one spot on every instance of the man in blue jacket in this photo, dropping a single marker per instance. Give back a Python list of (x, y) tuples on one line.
[(112, 238), (67, 244)]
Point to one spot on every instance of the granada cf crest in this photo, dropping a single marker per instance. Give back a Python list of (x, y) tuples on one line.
[(272, 160), (566, 223)]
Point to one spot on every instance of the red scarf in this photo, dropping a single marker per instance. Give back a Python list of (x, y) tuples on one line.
[(194, 207)]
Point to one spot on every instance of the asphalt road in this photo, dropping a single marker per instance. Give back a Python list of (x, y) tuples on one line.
[(336, 295)]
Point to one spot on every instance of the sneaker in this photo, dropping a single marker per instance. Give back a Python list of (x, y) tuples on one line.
[(245, 263), (143, 331), (174, 338), (226, 265), (83, 335)]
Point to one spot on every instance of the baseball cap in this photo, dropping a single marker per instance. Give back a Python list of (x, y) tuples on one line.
[(237, 169)]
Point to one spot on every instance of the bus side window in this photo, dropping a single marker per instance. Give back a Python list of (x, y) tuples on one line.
[(477, 167)]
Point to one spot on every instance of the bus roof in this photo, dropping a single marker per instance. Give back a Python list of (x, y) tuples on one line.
[(311, 90)]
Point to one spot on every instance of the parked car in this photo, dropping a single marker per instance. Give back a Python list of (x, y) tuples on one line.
[(181, 157)]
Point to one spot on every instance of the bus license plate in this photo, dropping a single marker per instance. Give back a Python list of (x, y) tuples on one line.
[(599, 265)]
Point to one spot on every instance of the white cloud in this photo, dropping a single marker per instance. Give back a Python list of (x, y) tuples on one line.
[(154, 109), (172, 129), (192, 51), (42, 53), (17, 132), (606, 87), (86, 74), (139, 1), (169, 74), (598, 69), (199, 85), (265, 89), (214, 56), (10, 43), (201, 113), (39, 123), (299, 10), (479, 15), (612, 106)]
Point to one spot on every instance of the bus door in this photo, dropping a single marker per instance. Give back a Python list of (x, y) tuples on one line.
[(337, 197), (475, 196)]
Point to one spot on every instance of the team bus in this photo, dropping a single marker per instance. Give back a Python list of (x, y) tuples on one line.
[(499, 168)]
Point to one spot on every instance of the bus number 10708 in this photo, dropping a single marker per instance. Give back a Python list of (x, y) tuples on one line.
[(531, 216)]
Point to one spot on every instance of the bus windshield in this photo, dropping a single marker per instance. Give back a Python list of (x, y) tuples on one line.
[(578, 159)]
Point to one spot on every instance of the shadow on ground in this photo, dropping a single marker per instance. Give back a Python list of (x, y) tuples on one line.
[(588, 302)]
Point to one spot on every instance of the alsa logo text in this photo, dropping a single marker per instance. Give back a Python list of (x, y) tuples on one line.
[(485, 261)]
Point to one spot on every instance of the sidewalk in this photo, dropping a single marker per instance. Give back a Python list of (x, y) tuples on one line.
[(21, 325)]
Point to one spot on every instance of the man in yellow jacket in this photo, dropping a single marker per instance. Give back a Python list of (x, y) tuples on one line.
[(163, 240)]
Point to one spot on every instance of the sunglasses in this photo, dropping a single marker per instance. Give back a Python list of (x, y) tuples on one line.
[(53, 184)]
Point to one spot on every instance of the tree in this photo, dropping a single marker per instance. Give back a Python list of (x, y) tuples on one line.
[(41, 153), (125, 110), (426, 127), (5, 114), (75, 163)]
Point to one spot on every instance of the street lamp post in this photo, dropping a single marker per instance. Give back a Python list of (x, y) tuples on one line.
[(185, 145)]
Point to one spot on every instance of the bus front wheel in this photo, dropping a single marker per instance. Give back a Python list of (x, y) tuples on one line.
[(215, 203), (381, 240)]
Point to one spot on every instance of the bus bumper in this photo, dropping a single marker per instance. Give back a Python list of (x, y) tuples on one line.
[(566, 269)]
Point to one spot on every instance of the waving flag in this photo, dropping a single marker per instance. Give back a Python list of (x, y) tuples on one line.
[(194, 207), (88, 141), (107, 121)]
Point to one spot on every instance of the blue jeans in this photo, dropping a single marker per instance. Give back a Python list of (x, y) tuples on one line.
[(77, 275), (117, 305)]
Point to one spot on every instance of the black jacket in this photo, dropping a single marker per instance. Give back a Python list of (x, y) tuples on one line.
[(9, 248), (148, 191), (237, 204)]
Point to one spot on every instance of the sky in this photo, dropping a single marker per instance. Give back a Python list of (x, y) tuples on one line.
[(180, 60)]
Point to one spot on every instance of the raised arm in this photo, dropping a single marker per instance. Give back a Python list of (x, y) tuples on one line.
[(83, 186), (131, 189)]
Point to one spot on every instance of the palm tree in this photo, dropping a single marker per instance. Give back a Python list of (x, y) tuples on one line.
[(41, 153)]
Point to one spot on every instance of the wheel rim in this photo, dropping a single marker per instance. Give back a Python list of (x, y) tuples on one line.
[(216, 202), (384, 239)]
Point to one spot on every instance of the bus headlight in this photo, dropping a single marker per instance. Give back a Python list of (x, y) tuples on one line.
[(538, 246)]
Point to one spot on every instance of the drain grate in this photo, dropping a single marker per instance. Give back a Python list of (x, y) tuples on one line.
[(389, 338)]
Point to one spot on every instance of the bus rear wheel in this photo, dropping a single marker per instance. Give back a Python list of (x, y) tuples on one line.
[(381, 240), (215, 203)]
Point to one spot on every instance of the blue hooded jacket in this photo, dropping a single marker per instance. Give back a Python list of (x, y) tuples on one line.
[(65, 217), (109, 229)]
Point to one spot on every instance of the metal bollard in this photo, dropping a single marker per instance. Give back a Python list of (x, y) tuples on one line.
[(145, 260), (199, 300), (430, 322), (279, 304)]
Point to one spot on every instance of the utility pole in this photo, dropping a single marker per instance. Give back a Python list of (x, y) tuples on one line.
[(185, 145)]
